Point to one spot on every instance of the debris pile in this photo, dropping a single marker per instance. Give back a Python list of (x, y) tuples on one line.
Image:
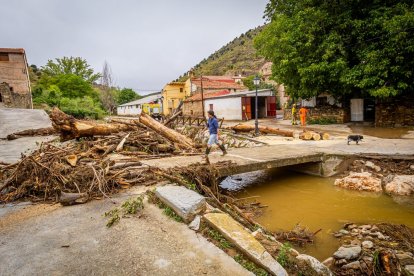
[(382, 249)]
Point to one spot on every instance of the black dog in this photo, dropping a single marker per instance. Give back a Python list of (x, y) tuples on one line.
[(355, 138)]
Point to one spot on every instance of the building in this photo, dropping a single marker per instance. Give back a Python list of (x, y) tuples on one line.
[(175, 92), (14, 79), (150, 104), (230, 105), (266, 73)]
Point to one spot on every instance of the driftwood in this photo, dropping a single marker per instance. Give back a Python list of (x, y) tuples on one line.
[(173, 117), (73, 198), (71, 128), (32, 132), (262, 129), (172, 135)]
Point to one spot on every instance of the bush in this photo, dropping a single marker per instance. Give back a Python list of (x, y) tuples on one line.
[(84, 107), (322, 121)]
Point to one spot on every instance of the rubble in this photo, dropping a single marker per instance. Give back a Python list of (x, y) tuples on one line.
[(363, 181)]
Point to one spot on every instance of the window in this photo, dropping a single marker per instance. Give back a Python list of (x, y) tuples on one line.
[(4, 57), (181, 90), (137, 105), (211, 107), (321, 101)]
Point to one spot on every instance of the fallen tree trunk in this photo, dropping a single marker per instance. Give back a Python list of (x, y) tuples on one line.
[(71, 128), (32, 132), (263, 129), (172, 135), (173, 117)]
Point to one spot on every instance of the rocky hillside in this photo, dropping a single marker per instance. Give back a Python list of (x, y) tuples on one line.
[(236, 57)]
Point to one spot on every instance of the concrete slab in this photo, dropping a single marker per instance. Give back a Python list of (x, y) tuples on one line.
[(14, 119), (186, 203), (11, 151), (244, 241)]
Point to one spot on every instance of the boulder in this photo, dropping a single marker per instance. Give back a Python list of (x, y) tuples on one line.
[(372, 166), (186, 203), (400, 185), (367, 244), (363, 181), (348, 253), (316, 265)]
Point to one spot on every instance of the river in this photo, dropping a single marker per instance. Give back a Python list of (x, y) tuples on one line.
[(316, 203)]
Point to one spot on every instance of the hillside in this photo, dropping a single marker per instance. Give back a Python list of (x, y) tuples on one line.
[(237, 57)]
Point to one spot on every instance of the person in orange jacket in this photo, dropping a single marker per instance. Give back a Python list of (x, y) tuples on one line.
[(303, 112)]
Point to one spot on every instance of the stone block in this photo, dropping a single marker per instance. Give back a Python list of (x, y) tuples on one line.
[(244, 241), (316, 265), (186, 203)]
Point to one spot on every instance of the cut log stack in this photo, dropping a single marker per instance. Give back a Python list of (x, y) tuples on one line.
[(311, 135), (263, 129)]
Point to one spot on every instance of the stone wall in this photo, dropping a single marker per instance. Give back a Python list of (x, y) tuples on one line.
[(12, 99), (326, 111), (193, 108), (395, 112)]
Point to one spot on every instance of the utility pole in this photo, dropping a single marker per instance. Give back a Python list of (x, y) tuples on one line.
[(202, 97)]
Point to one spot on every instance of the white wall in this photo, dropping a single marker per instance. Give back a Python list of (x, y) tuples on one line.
[(129, 110), (229, 108)]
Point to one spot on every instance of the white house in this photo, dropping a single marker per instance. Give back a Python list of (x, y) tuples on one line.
[(241, 105), (150, 104)]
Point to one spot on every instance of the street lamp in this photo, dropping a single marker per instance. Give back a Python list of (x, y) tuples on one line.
[(256, 82)]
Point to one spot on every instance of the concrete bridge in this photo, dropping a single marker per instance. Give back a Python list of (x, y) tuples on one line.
[(303, 159)]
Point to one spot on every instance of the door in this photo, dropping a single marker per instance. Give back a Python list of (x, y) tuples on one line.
[(357, 110), (271, 106), (369, 110), (246, 108)]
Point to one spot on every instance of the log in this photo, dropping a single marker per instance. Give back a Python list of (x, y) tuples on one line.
[(262, 129), (316, 136), (172, 135), (173, 117), (71, 128), (32, 132), (305, 135), (325, 136)]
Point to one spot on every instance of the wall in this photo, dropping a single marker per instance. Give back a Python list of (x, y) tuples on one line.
[(193, 108), (325, 111), (136, 109), (227, 108), (395, 112), (14, 73), (172, 96), (12, 99)]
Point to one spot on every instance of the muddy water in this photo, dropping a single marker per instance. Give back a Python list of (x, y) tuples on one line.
[(382, 132), (315, 203)]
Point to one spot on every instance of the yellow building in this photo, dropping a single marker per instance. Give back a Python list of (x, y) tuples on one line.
[(173, 93)]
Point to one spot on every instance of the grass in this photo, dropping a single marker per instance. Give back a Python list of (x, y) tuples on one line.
[(252, 267), (283, 257), (169, 212), (222, 242), (322, 121), (130, 207)]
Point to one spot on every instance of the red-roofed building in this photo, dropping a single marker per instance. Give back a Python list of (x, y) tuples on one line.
[(14, 79)]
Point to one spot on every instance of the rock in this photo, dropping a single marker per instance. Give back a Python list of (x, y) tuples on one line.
[(316, 265), (343, 232), (338, 235), (356, 242), (363, 181), (365, 227), (400, 185), (365, 232), (372, 166), (367, 244), (195, 224), (412, 167), (347, 253), (354, 265), (368, 259), (244, 241), (405, 259), (374, 228), (409, 269), (186, 203), (340, 262), (328, 262), (351, 226), (294, 252), (380, 236)]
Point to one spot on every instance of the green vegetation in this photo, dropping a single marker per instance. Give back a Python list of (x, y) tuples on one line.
[(130, 207), (169, 212), (222, 242), (343, 47), (237, 57), (250, 266), (283, 256), (68, 83), (248, 82), (321, 121)]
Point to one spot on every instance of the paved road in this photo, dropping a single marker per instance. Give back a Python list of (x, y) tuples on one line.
[(54, 240)]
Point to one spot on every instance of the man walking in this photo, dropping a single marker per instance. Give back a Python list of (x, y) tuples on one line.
[(303, 111), (212, 125)]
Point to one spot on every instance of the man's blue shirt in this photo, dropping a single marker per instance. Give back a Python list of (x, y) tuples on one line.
[(212, 124)]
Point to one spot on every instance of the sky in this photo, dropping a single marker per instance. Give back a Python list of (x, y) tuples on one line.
[(147, 43)]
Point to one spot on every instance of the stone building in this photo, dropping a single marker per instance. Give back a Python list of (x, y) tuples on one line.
[(14, 79)]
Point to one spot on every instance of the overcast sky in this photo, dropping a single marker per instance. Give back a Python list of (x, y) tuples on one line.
[(146, 42)]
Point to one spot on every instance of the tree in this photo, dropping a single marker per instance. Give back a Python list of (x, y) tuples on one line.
[(127, 95), (107, 93), (70, 66), (342, 47), (248, 82)]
